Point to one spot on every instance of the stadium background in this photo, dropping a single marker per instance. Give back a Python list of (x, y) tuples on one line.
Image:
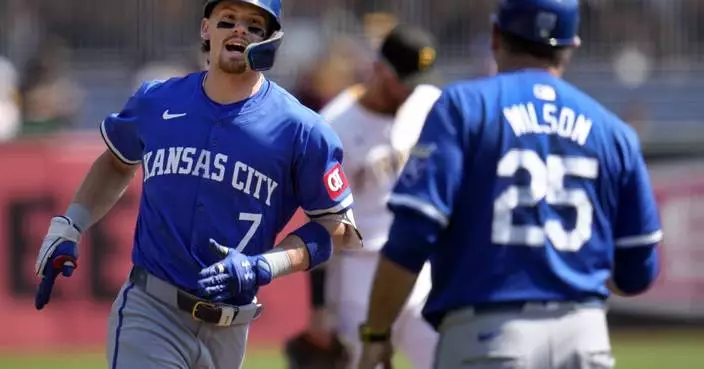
[(65, 64)]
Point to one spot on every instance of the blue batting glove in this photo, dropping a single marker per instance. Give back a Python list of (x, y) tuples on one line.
[(236, 277), (57, 255)]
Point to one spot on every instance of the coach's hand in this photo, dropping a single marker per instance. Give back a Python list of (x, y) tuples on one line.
[(57, 255), (237, 276), (376, 355)]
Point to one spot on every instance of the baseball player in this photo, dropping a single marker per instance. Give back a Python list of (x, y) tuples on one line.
[(378, 123), (227, 157), (531, 201)]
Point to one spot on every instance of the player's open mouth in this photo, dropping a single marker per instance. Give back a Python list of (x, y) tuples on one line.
[(239, 48), (235, 46)]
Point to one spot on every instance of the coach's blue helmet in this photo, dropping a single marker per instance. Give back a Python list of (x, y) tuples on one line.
[(550, 22), (259, 55)]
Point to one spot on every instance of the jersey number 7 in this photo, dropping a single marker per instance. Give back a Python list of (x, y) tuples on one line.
[(546, 183), (256, 220)]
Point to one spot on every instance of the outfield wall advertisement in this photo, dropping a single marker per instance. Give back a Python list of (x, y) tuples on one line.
[(38, 180)]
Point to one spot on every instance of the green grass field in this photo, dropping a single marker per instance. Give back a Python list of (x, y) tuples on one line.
[(673, 350)]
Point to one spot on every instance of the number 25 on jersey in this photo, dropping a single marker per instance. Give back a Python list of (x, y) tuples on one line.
[(546, 183)]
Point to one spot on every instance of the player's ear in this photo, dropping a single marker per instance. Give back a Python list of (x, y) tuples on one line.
[(205, 29), (577, 42)]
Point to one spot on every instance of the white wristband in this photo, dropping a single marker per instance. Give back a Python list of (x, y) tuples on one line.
[(279, 262), (79, 215)]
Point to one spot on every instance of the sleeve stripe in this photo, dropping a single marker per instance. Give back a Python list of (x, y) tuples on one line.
[(347, 202), (421, 206), (113, 148), (641, 240)]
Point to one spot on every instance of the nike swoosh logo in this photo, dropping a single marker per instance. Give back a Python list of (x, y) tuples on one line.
[(167, 116), (486, 336)]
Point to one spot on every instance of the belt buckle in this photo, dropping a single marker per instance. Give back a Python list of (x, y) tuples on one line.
[(200, 304)]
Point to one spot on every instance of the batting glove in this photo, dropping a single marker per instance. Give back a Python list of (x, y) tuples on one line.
[(57, 255), (236, 276)]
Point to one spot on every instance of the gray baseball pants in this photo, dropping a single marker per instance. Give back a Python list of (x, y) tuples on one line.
[(147, 330), (538, 336)]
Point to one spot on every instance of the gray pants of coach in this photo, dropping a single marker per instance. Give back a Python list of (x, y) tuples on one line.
[(146, 330), (564, 336)]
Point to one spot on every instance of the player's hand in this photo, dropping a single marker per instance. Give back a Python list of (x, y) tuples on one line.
[(57, 255), (235, 276), (376, 355)]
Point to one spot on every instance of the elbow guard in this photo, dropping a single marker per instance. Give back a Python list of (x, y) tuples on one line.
[(635, 269), (318, 242)]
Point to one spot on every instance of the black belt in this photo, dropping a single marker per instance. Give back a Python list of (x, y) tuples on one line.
[(464, 314), (514, 306), (200, 309)]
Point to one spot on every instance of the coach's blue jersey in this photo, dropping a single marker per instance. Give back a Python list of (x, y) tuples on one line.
[(235, 173), (533, 183)]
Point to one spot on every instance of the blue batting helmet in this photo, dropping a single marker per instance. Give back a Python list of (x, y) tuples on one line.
[(259, 55), (550, 22)]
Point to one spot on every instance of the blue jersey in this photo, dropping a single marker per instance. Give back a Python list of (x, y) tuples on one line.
[(235, 173), (532, 185)]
